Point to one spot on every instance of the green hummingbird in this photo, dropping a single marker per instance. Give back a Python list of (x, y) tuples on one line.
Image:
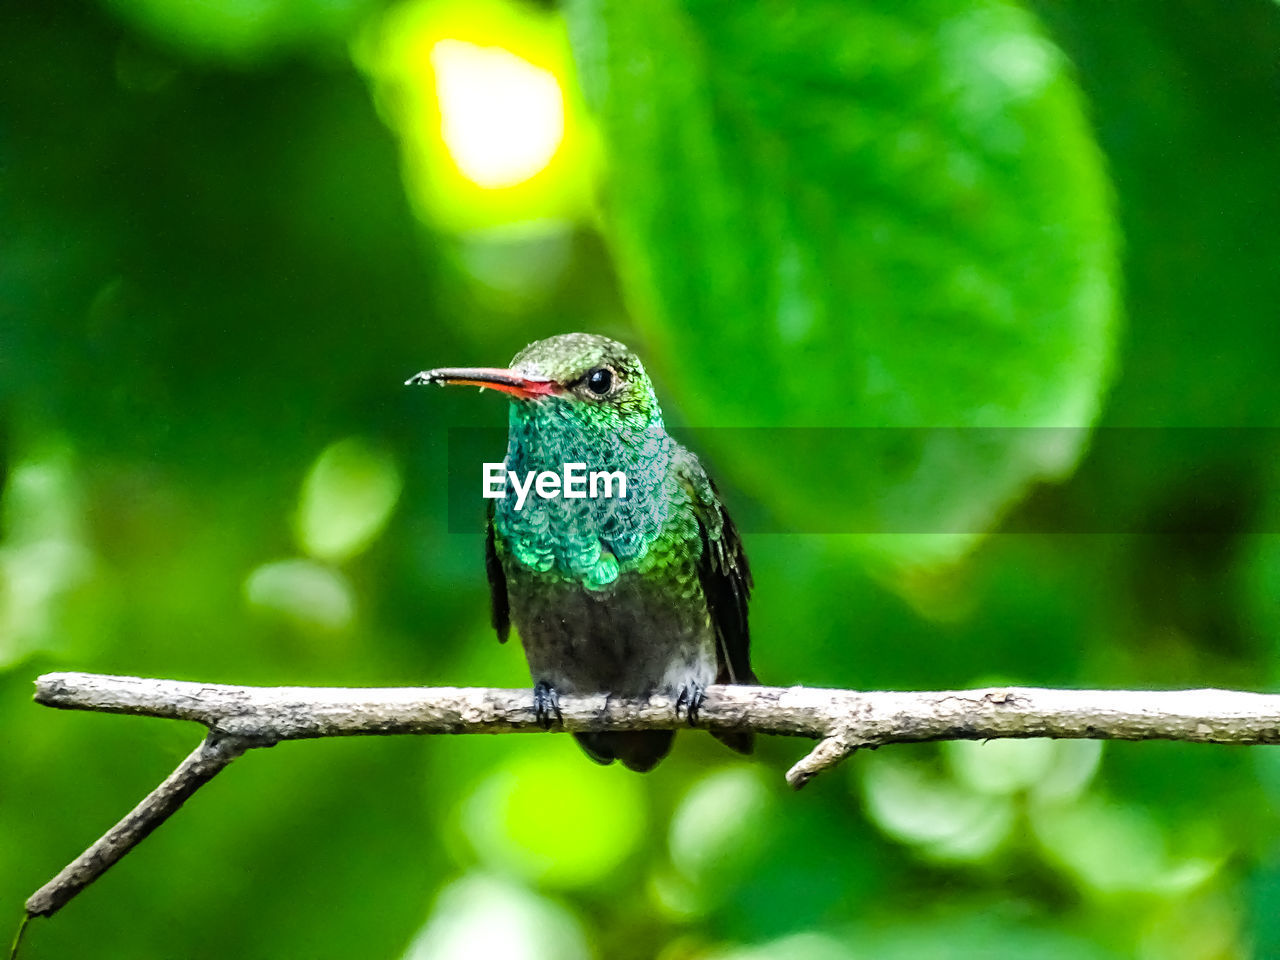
[(640, 592)]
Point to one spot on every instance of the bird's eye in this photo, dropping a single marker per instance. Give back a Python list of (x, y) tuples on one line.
[(600, 380)]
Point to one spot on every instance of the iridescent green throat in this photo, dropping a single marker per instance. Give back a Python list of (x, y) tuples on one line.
[(591, 541)]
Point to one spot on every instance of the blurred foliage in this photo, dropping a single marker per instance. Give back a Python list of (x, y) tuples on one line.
[(232, 230), (875, 201)]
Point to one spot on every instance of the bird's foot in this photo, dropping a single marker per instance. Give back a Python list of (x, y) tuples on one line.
[(546, 703), (691, 697)]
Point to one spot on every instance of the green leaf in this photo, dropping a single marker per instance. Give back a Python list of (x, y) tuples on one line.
[(848, 215), (1113, 849), (940, 818)]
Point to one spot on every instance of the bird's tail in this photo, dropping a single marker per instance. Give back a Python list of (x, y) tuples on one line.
[(744, 741), (638, 751)]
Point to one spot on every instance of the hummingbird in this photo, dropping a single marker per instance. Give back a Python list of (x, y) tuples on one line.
[(631, 595)]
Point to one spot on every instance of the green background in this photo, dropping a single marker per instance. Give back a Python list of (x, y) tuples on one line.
[(216, 270)]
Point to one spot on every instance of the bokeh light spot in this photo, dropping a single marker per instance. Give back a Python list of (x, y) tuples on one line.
[(43, 556), (716, 831), (483, 916), (939, 818), (501, 116), (483, 97), (346, 499), (308, 593), (552, 817)]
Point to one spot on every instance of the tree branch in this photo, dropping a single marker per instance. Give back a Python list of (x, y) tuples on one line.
[(199, 768), (240, 718)]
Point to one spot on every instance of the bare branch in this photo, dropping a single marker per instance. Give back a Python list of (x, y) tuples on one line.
[(239, 718), (199, 768), (265, 715)]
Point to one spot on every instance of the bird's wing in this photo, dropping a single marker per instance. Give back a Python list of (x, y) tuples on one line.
[(499, 609), (722, 571)]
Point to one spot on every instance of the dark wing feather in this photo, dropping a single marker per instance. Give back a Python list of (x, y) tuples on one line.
[(723, 573), (499, 609)]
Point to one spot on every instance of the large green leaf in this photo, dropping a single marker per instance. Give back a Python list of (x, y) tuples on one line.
[(857, 215)]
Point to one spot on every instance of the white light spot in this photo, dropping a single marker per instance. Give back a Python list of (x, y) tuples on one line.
[(482, 916), (501, 117)]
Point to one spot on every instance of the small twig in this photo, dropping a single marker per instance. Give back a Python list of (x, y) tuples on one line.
[(829, 751), (17, 937), (199, 768), (240, 718)]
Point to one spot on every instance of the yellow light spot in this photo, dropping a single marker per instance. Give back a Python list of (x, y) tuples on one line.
[(501, 117)]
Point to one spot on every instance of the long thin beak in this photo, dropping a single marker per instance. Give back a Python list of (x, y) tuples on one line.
[(496, 378)]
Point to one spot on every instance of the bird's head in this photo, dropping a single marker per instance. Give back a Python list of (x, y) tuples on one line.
[(580, 380)]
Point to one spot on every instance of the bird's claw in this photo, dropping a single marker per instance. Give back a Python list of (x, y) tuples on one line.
[(546, 703), (691, 697)]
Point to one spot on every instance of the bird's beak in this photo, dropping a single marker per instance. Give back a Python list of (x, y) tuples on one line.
[(495, 378)]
